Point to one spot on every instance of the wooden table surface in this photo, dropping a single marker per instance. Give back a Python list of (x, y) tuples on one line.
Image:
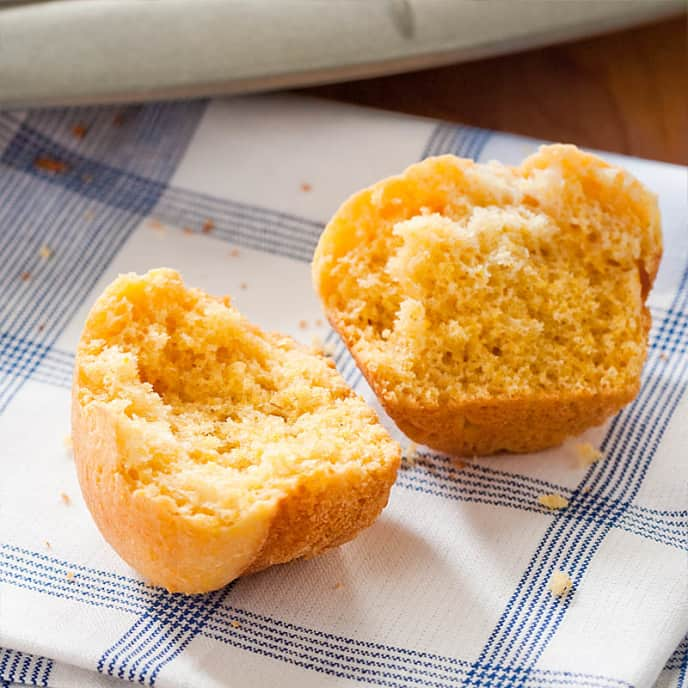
[(625, 92)]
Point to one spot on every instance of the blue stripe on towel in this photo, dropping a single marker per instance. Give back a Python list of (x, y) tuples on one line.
[(166, 623)]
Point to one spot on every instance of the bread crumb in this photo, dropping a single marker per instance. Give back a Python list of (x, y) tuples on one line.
[(587, 454), (243, 285), (208, 226), (410, 453), (458, 464), (303, 324), (318, 322), (553, 501), (86, 178), (25, 276), (67, 441), (47, 544), (187, 230), (65, 498), (664, 356), (45, 252), (70, 576), (48, 164), (234, 623), (560, 583), (305, 186), (41, 327), (586, 489), (79, 130), (155, 224), (89, 215), (234, 253), (317, 344), (338, 585), (119, 119), (329, 348)]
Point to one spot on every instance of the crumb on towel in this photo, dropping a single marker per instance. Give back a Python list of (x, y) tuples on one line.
[(587, 454), (410, 453), (560, 583), (48, 164), (553, 501), (317, 344), (79, 130)]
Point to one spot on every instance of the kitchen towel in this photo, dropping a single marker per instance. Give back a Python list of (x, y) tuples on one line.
[(449, 586)]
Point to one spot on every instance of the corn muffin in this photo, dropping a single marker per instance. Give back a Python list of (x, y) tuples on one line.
[(206, 448), (495, 308)]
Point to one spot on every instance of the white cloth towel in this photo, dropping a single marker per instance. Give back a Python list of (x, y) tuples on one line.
[(449, 586)]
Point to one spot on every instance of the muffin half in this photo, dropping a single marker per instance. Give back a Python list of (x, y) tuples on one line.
[(495, 308), (207, 448)]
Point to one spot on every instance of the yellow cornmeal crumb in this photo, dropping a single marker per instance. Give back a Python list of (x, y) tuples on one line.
[(410, 453), (235, 624), (45, 252), (560, 583), (70, 576), (586, 489), (338, 586), (67, 441), (553, 501), (587, 454), (317, 344), (303, 324), (65, 498)]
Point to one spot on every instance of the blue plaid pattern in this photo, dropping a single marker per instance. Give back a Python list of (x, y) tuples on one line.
[(466, 142), (45, 208), (678, 662), (166, 622), (19, 667)]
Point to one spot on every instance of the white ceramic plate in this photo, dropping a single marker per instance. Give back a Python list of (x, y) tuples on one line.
[(80, 51)]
